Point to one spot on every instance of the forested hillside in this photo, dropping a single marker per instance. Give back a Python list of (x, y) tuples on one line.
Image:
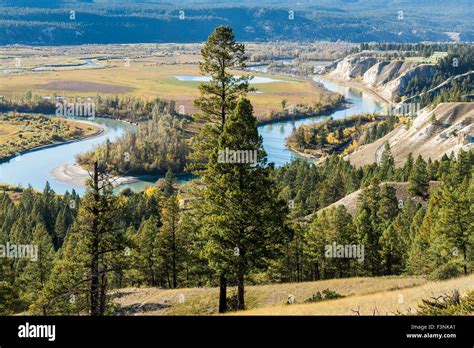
[(52, 23)]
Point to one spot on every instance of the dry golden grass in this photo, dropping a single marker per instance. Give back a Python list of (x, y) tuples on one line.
[(148, 77), (203, 301), (383, 302)]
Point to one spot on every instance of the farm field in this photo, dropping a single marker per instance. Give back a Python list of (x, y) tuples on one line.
[(148, 74)]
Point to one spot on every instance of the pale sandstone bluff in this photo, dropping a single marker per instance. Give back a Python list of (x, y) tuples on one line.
[(453, 131), (390, 79)]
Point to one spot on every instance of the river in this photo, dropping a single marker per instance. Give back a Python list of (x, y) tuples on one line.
[(34, 168), (274, 134)]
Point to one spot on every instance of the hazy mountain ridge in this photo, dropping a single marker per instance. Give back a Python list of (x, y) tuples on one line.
[(49, 23)]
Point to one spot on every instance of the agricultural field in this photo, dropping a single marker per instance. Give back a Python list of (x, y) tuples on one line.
[(141, 70), (19, 133)]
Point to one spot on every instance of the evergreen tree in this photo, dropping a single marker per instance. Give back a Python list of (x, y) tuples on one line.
[(455, 221), (146, 253), (367, 226), (9, 302), (170, 239), (170, 179), (221, 53), (388, 206), (395, 240), (407, 167), (418, 258), (244, 223), (387, 164), (342, 232), (90, 251), (418, 181), (60, 227), (37, 272), (316, 239)]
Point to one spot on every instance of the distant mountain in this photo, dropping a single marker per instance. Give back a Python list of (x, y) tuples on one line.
[(51, 22)]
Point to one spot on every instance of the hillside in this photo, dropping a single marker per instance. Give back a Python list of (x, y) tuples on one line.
[(350, 201), (203, 301), (389, 78), (51, 22), (389, 302), (453, 130), (385, 295)]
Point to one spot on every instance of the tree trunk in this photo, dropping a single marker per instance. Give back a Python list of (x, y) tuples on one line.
[(175, 271), (298, 264), (222, 294), (465, 259), (240, 292), (103, 293), (389, 265), (94, 289), (316, 272)]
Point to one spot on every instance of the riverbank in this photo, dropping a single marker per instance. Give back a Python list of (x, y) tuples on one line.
[(307, 156), (312, 154), (100, 131), (344, 104), (360, 86), (35, 169), (74, 174)]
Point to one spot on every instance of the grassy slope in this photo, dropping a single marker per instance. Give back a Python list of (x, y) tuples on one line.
[(385, 302), (350, 201), (203, 301)]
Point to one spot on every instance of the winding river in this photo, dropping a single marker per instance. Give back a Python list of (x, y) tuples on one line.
[(34, 168), (274, 134)]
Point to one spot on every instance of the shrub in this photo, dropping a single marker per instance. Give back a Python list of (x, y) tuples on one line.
[(326, 294), (449, 304), (451, 269)]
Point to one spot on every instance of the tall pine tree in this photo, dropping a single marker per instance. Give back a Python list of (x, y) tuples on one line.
[(244, 224)]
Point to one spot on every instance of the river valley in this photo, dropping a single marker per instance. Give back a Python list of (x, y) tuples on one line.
[(35, 168)]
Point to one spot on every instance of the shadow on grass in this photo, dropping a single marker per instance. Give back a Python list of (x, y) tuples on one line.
[(137, 308)]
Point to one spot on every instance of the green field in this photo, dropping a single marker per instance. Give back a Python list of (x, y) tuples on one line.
[(433, 59)]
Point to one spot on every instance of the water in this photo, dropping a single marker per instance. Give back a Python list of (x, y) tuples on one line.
[(274, 134), (35, 167), (256, 79), (88, 63)]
